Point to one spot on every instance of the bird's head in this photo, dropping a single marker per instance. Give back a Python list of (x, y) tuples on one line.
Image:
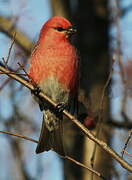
[(58, 28)]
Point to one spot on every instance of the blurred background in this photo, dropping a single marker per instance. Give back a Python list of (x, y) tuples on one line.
[(104, 46)]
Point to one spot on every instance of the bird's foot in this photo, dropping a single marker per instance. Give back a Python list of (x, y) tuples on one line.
[(36, 91), (61, 107)]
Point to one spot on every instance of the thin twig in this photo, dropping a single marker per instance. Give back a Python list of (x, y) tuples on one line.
[(129, 154), (10, 49), (20, 136), (102, 144), (85, 167), (117, 124), (19, 74), (119, 55), (22, 67), (30, 79), (127, 141), (15, 72), (124, 100), (99, 126)]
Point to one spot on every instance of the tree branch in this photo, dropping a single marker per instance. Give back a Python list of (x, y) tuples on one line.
[(102, 144), (118, 124)]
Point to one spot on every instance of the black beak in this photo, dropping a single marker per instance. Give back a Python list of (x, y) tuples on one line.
[(70, 31)]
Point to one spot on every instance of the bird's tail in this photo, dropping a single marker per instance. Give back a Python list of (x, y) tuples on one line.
[(51, 134)]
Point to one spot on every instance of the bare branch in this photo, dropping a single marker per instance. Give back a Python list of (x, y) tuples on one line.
[(127, 141), (129, 154), (82, 165), (99, 124), (19, 135), (118, 52), (9, 53), (118, 124), (102, 144)]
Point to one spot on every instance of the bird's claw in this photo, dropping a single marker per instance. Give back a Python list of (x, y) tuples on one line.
[(36, 91), (60, 107)]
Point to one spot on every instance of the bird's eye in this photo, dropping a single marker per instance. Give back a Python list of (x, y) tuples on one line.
[(60, 29)]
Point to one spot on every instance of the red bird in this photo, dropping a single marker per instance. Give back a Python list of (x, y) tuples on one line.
[(54, 68)]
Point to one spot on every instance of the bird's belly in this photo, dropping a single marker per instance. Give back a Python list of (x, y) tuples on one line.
[(55, 90)]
